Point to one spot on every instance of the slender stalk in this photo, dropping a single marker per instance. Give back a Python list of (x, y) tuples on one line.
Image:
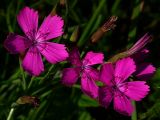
[(50, 69), (47, 74), (5, 66), (76, 86), (17, 9), (10, 114), (67, 9), (82, 39), (66, 16), (134, 114), (97, 23), (37, 3), (30, 83), (23, 76), (8, 18)]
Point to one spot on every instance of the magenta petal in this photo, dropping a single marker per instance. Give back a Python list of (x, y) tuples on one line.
[(16, 43), (74, 57), (28, 21), (105, 96), (88, 85), (50, 28), (140, 44), (135, 90), (53, 52), (107, 73), (94, 73), (70, 76), (32, 62), (145, 71), (92, 58), (124, 68), (122, 104)]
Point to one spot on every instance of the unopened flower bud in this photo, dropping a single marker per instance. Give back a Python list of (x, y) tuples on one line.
[(109, 25), (62, 2), (54, 12), (28, 100), (74, 35)]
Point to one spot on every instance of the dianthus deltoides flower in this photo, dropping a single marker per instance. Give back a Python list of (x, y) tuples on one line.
[(83, 68), (118, 87), (35, 42)]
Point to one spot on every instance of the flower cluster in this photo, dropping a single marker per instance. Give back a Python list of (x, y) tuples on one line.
[(123, 77), (124, 80)]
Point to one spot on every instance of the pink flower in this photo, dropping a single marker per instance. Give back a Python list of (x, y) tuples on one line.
[(83, 68), (119, 88), (35, 42)]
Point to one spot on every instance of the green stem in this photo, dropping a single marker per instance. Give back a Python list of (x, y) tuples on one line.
[(5, 66), (76, 86), (30, 83), (23, 75), (134, 114), (97, 23), (47, 74), (82, 39), (67, 9), (17, 9), (50, 69), (8, 18), (37, 3), (66, 16), (10, 114)]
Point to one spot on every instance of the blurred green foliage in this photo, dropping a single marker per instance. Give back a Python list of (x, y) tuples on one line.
[(57, 102)]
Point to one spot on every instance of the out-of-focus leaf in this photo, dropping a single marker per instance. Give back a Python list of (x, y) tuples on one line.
[(85, 116), (86, 101), (115, 6), (136, 11), (152, 113)]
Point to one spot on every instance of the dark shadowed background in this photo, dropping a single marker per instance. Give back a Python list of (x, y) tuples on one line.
[(57, 102)]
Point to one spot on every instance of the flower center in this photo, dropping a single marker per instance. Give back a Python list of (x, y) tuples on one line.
[(34, 42), (85, 67)]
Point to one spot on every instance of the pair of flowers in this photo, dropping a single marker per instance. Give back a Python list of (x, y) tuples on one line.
[(117, 79), (115, 76)]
